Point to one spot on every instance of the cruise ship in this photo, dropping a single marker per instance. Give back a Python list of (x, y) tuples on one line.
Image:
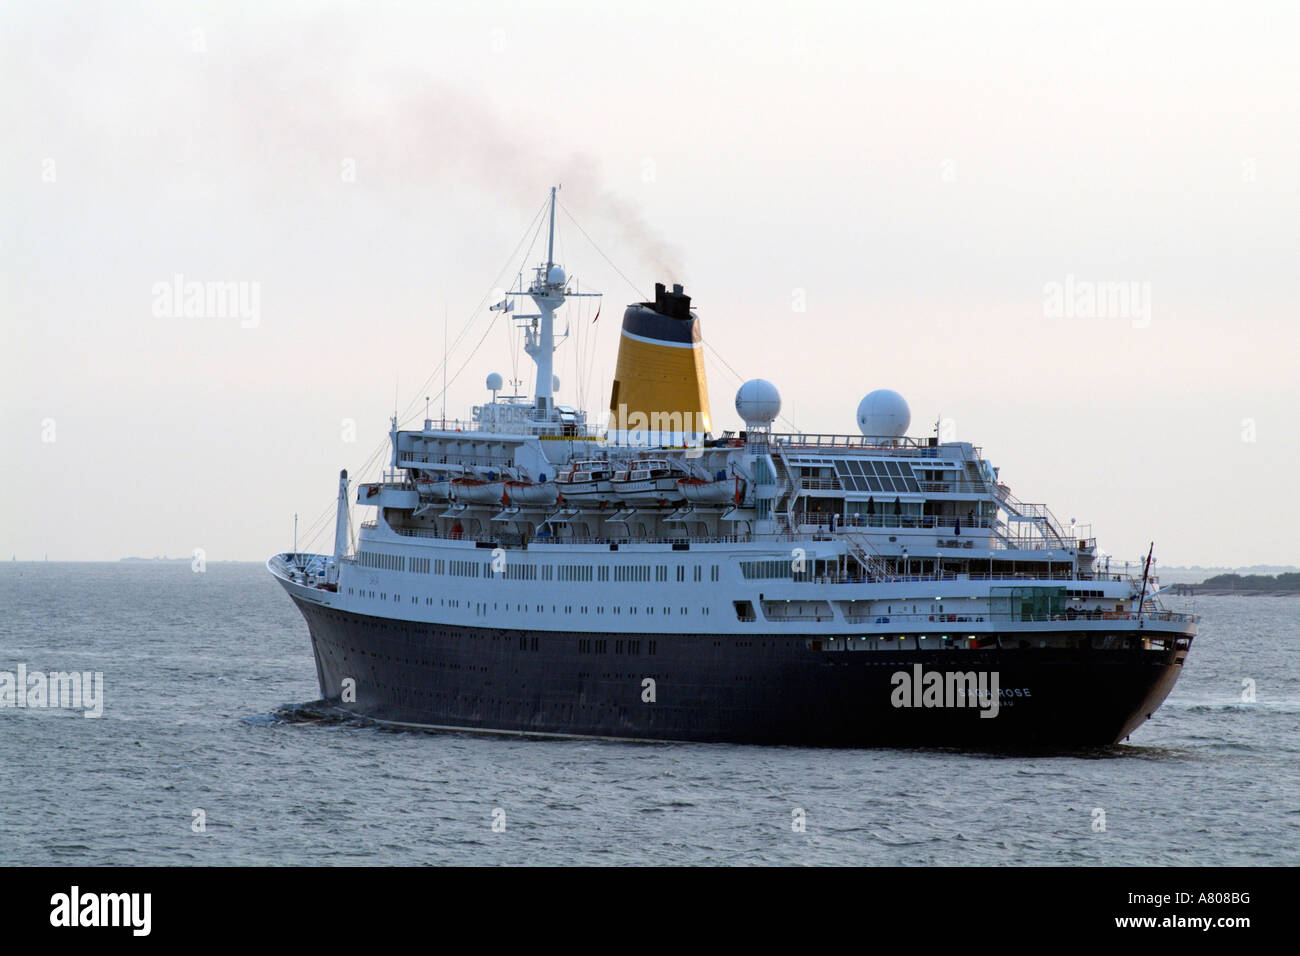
[(526, 571)]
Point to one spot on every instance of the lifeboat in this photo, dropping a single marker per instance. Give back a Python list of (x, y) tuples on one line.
[(433, 485), (532, 492), (586, 480), (650, 481), (710, 491), (479, 491)]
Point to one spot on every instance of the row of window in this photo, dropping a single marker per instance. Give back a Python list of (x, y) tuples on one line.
[(465, 569), (600, 645), (632, 572), (781, 568), (573, 572), (521, 571), (482, 608)]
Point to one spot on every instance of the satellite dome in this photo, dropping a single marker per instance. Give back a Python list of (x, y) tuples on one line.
[(494, 382), (556, 276), (555, 383), (884, 414), (758, 402)]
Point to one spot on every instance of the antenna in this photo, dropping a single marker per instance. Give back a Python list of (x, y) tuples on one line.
[(444, 364), (550, 241)]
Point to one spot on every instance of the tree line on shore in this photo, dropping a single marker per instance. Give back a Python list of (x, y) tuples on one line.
[(1260, 583)]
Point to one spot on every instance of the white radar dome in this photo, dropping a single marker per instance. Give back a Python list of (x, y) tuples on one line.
[(555, 383), (494, 382), (884, 414), (758, 402), (556, 276)]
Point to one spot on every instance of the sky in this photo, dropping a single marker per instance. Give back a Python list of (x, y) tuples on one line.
[(1067, 230)]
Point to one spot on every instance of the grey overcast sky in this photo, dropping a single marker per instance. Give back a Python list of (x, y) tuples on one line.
[(858, 195)]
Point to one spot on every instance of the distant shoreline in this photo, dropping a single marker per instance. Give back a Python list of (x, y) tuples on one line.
[(1228, 592), (13, 561), (1249, 585)]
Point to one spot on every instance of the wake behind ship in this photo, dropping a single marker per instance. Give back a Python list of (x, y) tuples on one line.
[(527, 572)]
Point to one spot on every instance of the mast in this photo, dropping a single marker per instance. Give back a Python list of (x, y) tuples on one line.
[(548, 290), (1146, 572), (550, 240), (341, 519), (445, 315), (341, 529)]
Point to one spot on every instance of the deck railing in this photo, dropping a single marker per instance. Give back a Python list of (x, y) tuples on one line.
[(514, 538), (981, 617), (920, 522), (535, 539)]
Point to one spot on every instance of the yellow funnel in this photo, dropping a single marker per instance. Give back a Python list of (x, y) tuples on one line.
[(660, 395)]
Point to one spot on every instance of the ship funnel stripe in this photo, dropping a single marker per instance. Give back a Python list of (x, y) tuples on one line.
[(676, 345)]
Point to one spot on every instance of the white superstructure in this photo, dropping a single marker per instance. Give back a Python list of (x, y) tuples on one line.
[(527, 517)]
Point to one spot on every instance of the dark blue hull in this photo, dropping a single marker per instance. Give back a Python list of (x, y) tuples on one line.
[(743, 689)]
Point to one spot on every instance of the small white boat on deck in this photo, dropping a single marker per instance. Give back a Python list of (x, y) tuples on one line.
[(651, 481), (478, 491), (586, 480), (711, 491), (535, 493), (433, 485)]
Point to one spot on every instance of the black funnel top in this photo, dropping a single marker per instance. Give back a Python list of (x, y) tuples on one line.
[(675, 304), (667, 319)]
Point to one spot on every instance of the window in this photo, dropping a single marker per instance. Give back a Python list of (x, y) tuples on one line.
[(767, 569), (382, 562), (574, 572), (632, 572)]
